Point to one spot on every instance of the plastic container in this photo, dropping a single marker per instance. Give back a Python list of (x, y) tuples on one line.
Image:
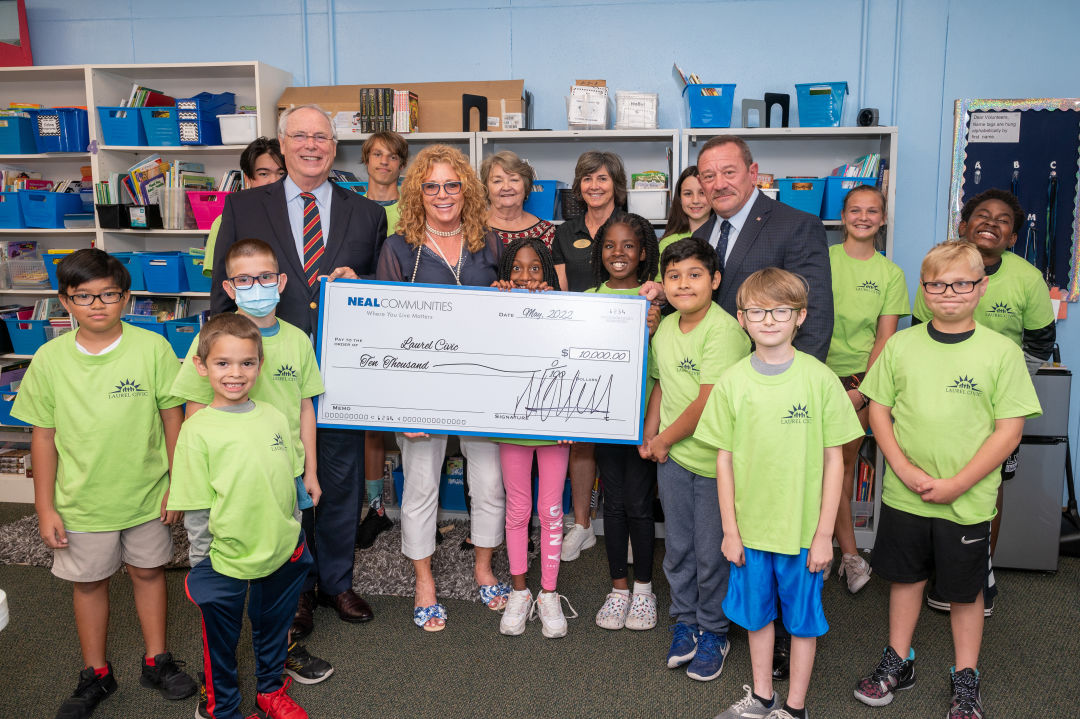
[(17, 135), (133, 263), (28, 274), (803, 193), (836, 189), (193, 267), (180, 333), (237, 129), (86, 194), (47, 209), (121, 126), (61, 129), (821, 104), (52, 259), (206, 206), (112, 217), (161, 126), (452, 492), (143, 217), (399, 484), (146, 322), (164, 272), (543, 201), (79, 221), (11, 215), (6, 419), (197, 117), (652, 204), (710, 110), (26, 335)]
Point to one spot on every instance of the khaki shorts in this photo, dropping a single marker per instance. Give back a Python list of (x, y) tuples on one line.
[(93, 556)]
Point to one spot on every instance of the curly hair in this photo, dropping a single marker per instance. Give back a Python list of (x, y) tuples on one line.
[(994, 193), (646, 237), (506, 264), (474, 205)]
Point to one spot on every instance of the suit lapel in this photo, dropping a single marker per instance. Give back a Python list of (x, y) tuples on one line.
[(340, 212), (278, 213), (759, 215)]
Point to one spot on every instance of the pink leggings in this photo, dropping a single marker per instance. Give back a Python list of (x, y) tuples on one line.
[(517, 479)]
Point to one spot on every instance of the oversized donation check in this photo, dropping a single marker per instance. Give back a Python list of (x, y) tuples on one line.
[(478, 361)]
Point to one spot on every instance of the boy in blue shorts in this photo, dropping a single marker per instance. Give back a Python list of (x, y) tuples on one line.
[(289, 382), (779, 419), (87, 393), (689, 351), (234, 475), (948, 401)]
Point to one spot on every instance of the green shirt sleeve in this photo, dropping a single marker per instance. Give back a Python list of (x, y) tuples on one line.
[(841, 423), (1039, 310), (35, 403), (896, 294), (189, 384), (167, 368), (311, 379), (725, 345), (878, 383), (717, 423), (190, 485), (1014, 394)]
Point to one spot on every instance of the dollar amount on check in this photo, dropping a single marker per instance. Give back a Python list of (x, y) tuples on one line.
[(477, 361)]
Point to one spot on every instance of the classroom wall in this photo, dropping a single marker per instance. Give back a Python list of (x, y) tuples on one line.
[(910, 58)]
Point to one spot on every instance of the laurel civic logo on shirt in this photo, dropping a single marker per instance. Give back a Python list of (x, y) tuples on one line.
[(127, 388), (999, 310), (687, 365), (868, 286), (964, 385), (285, 373), (278, 445), (798, 414)]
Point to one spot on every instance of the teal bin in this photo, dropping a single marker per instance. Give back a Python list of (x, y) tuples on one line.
[(544, 198), (6, 420), (710, 110), (452, 492), (821, 104), (133, 264), (180, 333), (193, 268), (26, 335), (164, 272), (11, 216), (161, 126), (47, 209), (17, 135), (121, 126), (803, 193), (836, 189)]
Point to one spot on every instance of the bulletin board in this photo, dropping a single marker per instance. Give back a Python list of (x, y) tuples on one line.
[(1032, 149)]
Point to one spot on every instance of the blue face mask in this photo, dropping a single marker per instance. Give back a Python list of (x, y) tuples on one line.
[(258, 301)]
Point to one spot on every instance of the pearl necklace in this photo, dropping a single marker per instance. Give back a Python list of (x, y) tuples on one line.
[(454, 269), (440, 233)]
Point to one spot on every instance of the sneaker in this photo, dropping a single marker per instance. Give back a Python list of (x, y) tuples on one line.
[(747, 708), (856, 570), (305, 668), (373, 525), (548, 606), (279, 705), (683, 645), (966, 698), (516, 613), (988, 606), (612, 614), (201, 710), (576, 539), (165, 676), (642, 614), (891, 675), (88, 694), (781, 713), (827, 571), (708, 661)]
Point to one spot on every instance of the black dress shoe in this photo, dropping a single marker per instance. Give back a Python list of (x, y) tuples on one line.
[(373, 525), (781, 662), (304, 621), (350, 606)]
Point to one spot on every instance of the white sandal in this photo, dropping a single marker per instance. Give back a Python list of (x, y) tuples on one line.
[(612, 614)]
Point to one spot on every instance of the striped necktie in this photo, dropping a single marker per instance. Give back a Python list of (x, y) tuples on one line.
[(313, 238)]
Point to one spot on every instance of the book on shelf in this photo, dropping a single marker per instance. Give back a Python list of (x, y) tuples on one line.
[(141, 96), (160, 308), (406, 112), (49, 308)]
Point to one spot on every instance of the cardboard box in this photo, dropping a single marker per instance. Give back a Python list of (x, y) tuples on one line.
[(440, 103)]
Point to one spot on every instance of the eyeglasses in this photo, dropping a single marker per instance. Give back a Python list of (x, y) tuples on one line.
[(756, 314), (962, 287), (246, 282), (85, 299), (432, 188), (319, 138)]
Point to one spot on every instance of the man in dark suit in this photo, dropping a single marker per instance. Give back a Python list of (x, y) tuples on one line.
[(751, 231), (316, 228)]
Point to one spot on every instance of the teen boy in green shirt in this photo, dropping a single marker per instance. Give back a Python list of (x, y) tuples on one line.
[(948, 403), (87, 394)]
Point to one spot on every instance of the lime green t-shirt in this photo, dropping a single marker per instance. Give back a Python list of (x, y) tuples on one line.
[(1016, 299), (211, 241), (240, 467), (112, 470), (289, 374), (670, 239), (945, 399), (682, 362), (863, 290), (777, 427)]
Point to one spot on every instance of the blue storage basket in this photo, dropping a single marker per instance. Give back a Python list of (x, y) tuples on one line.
[(180, 333), (197, 117), (452, 492), (47, 209), (26, 335), (193, 267), (5, 409), (133, 263), (399, 484), (710, 110), (52, 259), (803, 193), (146, 322), (836, 189), (161, 126), (121, 126), (61, 129), (10, 211), (17, 135), (164, 272), (544, 198), (821, 104)]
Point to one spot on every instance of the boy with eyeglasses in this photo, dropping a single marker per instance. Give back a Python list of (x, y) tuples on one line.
[(105, 425), (289, 381), (948, 401), (779, 419)]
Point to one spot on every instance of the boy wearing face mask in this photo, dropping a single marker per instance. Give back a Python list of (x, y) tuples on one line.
[(290, 378)]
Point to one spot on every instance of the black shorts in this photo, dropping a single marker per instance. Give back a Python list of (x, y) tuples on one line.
[(1008, 469), (910, 549)]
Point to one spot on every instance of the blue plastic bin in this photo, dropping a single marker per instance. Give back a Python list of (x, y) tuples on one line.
[(61, 129), (803, 193), (11, 215), (161, 126), (164, 272), (146, 322), (399, 484), (26, 335), (193, 267), (17, 135), (121, 126), (5, 409), (86, 194), (710, 110), (836, 189), (133, 263), (544, 198), (197, 116), (452, 492), (180, 333), (47, 209), (821, 104), (52, 259)]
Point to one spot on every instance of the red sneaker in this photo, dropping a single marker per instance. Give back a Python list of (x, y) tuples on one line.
[(279, 705)]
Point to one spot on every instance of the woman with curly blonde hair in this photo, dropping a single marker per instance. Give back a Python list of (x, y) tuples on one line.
[(444, 239)]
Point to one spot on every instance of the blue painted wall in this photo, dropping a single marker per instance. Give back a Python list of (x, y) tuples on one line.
[(910, 58)]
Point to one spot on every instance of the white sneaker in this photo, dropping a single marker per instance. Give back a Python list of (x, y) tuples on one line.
[(612, 614), (548, 606), (856, 570), (516, 613), (576, 539), (642, 614)]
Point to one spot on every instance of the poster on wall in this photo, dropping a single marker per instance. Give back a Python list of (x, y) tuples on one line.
[(1031, 148)]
